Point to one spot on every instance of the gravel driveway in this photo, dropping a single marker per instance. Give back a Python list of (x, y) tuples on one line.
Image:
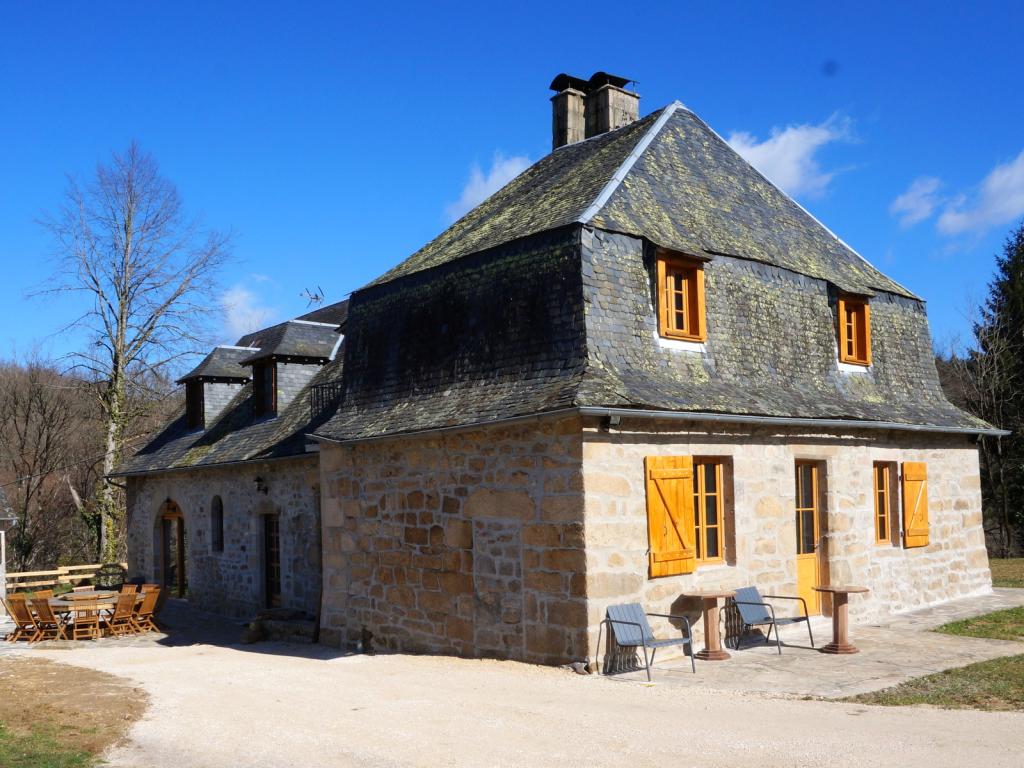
[(282, 705)]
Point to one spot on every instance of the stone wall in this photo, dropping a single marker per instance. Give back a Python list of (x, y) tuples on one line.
[(465, 542), (763, 535), (231, 582)]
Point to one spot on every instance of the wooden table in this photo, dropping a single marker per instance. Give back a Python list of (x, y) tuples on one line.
[(91, 594), (713, 650), (105, 600), (840, 618)]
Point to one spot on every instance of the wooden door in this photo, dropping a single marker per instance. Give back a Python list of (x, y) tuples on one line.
[(272, 560), (808, 534), (172, 550)]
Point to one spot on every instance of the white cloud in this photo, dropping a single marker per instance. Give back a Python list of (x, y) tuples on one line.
[(480, 186), (788, 156), (244, 312), (918, 202), (999, 199)]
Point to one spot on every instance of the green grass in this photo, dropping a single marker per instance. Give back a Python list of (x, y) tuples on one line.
[(42, 748), (1007, 572), (996, 685), (1001, 625)]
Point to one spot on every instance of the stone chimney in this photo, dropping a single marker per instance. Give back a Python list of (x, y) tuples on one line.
[(584, 108)]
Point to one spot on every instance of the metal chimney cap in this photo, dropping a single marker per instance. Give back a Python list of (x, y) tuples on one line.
[(598, 79), (563, 81)]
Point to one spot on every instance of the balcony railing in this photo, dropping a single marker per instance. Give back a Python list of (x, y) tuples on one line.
[(323, 397)]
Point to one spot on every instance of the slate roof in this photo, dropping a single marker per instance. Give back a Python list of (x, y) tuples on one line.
[(336, 314), (551, 193), (222, 363), (771, 348), (436, 341), (236, 435), (292, 339), (671, 179)]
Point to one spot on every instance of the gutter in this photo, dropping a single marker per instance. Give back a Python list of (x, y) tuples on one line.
[(433, 430), (691, 416), (784, 421), (217, 465)]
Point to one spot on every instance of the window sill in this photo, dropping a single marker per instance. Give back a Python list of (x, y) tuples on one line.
[(715, 565), (680, 344), (854, 367)]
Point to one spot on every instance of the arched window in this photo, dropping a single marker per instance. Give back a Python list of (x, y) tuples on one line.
[(217, 524)]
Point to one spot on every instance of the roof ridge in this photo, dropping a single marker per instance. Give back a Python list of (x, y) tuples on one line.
[(814, 218), (310, 322), (628, 163)]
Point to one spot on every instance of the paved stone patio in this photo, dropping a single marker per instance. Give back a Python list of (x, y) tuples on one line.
[(891, 652)]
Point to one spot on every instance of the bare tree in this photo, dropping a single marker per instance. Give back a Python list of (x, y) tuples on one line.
[(148, 273), (45, 446)]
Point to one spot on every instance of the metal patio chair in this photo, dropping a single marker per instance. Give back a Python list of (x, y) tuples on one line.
[(755, 612), (628, 623)]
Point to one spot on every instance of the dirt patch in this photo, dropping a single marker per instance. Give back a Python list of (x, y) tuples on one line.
[(89, 710)]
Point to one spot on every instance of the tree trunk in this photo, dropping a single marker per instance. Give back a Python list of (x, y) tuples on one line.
[(113, 414)]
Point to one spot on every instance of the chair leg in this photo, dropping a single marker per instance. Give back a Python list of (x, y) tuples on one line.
[(597, 650), (768, 634), (778, 640), (809, 633), (647, 664)]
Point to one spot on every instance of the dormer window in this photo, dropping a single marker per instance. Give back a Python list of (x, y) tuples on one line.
[(854, 330), (194, 406), (264, 388), (681, 298)]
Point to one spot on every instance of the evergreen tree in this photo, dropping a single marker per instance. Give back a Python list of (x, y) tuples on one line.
[(1000, 349)]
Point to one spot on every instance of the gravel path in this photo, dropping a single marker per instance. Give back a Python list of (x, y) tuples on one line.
[(279, 705)]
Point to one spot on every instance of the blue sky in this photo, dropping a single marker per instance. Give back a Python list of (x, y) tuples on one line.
[(334, 141)]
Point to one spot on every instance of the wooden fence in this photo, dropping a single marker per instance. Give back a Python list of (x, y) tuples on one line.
[(67, 574)]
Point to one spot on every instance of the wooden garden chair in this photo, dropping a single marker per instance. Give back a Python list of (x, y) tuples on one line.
[(24, 622), (122, 620), (49, 626), (129, 589), (42, 594), (87, 620), (143, 616)]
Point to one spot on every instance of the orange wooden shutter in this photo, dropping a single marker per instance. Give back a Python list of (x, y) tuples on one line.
[(700, 328), (866, 333), (915, 504), (670, 515)]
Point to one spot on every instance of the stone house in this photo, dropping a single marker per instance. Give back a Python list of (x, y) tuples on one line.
[(637, 370), (223, 504)]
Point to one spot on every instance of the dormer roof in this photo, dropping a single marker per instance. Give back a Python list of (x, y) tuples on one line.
[(308, 340), (223, 364)]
